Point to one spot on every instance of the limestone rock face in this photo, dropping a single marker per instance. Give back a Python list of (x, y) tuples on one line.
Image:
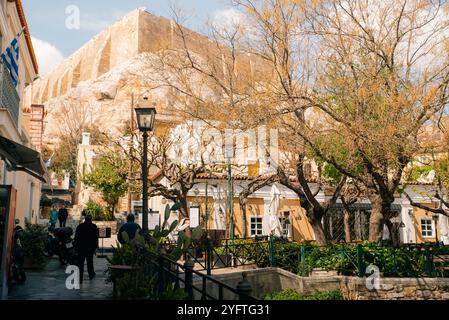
[(105, 101), (96, 84)]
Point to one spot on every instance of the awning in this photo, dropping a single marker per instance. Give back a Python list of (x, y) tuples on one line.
[(21, 158)]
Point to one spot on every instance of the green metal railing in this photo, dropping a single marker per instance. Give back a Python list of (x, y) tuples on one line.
[(167, 274), (232, 253), (347, 259)]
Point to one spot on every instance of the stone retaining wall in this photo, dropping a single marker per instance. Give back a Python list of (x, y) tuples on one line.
[(267, 280), (396, 289)]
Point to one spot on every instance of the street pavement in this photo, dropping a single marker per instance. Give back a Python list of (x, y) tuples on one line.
[(50, 284)]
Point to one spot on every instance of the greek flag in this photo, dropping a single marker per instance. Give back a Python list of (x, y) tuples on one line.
[(48, 162), (11, 59)]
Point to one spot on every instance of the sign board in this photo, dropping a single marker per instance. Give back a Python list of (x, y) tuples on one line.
[(7, 215), (104, 233), (194, 217)]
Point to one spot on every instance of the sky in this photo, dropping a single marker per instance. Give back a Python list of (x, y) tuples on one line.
[(56, 33)]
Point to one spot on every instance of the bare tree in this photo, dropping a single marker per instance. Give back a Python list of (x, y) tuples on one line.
[(226, 85), (382, 79), (73, 118), (253, 186), (377, 79)]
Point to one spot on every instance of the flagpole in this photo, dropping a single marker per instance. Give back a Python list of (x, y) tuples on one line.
[(20, 33)]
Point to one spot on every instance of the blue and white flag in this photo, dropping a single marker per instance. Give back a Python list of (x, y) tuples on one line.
[(48, 162), (11, 59)]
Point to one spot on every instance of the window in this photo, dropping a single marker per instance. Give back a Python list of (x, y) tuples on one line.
[(256, 226), (426, 228)]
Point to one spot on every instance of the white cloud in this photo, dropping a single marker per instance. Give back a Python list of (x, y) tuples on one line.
[(48, 56), (227, 18)]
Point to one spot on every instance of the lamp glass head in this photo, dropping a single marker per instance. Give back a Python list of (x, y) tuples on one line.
[(145, 118)]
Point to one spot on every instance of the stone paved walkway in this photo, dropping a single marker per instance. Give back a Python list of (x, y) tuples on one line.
[(50, 284)]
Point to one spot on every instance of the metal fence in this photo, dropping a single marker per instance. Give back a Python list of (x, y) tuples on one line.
[(424, 260), (350, 259), (228, 253), (167, 274)]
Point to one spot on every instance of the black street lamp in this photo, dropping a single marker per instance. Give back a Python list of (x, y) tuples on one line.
[(145, 122)]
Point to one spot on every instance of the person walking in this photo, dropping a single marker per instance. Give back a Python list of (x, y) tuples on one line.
[(62, 216), (130, 227), (53, 218), (83, 215), (86, 243)]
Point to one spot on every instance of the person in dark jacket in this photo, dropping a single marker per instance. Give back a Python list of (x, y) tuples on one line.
[(86, 243), (130, 227), (62, 216)]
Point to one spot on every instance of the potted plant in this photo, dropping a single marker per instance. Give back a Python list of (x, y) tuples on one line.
[(33, 240)]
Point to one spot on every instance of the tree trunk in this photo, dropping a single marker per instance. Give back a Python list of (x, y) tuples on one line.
[(317, 227), (184, 213), (394, 234), (346, 222), (113, 211), (376, 221), (242, 203)]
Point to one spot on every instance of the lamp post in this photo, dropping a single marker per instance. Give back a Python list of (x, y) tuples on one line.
[(145, 121), (207, 210), (230, 200)]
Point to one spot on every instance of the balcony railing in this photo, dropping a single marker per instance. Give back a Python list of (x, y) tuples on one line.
[(9, 99)]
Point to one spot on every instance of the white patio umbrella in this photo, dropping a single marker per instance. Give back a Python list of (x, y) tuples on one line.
[(270, 220)]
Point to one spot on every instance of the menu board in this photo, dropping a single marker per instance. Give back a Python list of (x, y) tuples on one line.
[(194, 217), (154, 219), (7, 216), (104, 233)]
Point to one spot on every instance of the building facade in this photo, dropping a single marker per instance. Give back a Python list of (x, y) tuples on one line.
[(12, 101)]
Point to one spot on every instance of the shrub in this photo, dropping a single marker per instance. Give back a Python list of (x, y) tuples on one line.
[(142, 252), (33, 239), (174, 294), (325, 295), (290, 294), (98, 213), (391, 261)]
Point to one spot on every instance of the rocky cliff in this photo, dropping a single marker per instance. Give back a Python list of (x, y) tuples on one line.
[(96, 84)]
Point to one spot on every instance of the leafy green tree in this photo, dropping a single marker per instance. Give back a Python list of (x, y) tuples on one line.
[(108, 179), (64, 154)]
